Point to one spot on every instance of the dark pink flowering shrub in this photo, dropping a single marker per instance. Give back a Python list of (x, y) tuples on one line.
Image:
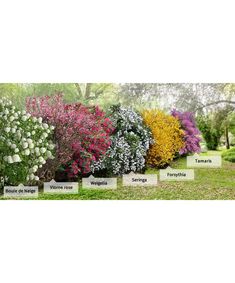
[(191, 132), (82, 134)]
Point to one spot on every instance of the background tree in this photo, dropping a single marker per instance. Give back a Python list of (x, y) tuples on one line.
[(221, 122), (89, 94), (92, 91)]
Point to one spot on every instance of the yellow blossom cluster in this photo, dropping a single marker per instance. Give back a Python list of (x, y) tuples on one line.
[(167, 135)]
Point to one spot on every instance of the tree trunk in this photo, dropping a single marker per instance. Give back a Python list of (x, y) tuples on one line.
[(88, 90), (79, 90), (227, 138)]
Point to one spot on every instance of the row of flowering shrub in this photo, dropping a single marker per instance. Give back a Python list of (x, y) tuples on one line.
[(52, 136)]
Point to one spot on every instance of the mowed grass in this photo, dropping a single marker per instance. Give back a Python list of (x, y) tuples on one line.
[(209, 184)]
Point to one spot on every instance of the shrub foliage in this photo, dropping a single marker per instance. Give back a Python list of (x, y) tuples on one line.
[(130, 142), (209, 132), (191, 132), (25, 144), (229, 155), (168, 137), (82, 134)]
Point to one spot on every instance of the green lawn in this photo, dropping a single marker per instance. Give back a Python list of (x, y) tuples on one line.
[(209, 184)]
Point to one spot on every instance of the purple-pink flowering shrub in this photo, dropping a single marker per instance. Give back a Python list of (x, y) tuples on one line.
[(81, 134), (191, 132)]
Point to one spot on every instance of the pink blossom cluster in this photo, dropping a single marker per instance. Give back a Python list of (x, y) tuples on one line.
[(191, 132), (82, 134)]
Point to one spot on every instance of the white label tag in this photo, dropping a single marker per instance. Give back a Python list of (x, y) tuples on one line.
[(99, 183), (198, 161), (60, 187), (170, 174), (136, 180), (20, 191)]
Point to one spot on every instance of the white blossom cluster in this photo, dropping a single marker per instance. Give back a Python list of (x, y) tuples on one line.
[(25, 144), (130, 143)]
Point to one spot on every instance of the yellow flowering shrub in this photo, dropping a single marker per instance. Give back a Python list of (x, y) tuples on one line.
[(167, 135)]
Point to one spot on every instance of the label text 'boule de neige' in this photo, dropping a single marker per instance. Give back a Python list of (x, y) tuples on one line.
[(53, 187), (136, 180), (170, 174), (200, 161), (99, 183), (20, 191)]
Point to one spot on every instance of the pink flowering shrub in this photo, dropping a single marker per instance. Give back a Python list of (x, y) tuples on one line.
[(191, 132), (82, 134)]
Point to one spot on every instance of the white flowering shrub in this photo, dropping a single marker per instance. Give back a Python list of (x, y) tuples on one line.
[(25, 144), (130, 142)]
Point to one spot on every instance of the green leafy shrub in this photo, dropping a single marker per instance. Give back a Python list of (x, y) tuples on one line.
[(229, 155), (209, 133)]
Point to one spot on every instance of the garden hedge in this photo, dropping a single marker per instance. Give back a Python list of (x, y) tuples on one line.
[(55, 136)]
